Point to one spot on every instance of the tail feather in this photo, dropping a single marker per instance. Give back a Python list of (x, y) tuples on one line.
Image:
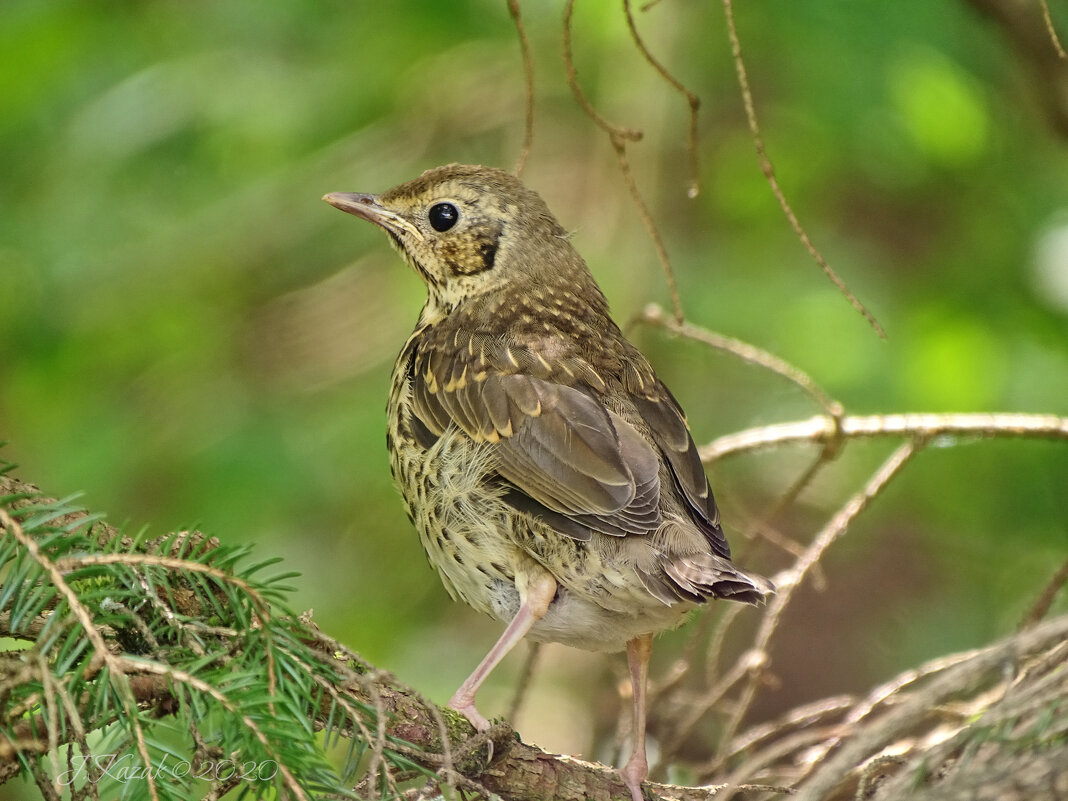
[(700, 577)]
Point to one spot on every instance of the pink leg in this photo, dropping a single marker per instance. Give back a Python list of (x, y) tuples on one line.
[(637, 768), (535, 601)]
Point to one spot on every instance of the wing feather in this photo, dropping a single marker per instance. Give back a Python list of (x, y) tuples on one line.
[(557, 445), (669, 430)]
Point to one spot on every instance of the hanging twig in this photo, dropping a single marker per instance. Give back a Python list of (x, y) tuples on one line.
[(619, 136), (654, 315), (647, 219), (528, 82), (692, 99), (769, 173), (613, 130)]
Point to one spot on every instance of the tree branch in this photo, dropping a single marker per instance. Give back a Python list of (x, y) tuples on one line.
[(822, 429)]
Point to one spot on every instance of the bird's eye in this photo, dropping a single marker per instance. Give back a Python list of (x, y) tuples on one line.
[(443, 216)]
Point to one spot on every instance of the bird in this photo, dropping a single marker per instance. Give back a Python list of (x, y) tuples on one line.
[(550, 474)]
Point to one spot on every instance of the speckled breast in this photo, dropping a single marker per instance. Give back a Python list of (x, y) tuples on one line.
[(459, 516)]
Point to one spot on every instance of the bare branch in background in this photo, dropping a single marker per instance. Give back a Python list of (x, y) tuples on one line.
[(692, 100), (1053, 37), (822, 429), (528, 84), (619, 136), (653, 315), (787, 582), (769, 172)]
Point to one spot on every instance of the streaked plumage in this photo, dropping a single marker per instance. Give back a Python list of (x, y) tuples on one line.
[(550, 474)]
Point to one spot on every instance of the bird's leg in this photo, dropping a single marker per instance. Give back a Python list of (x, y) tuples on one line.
[(637, 768), (535, 596)]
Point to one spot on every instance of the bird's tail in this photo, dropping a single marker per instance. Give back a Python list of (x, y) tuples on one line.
[(699, 577)]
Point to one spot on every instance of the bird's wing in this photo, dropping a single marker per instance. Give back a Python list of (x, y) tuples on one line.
[(667, 424), (562, 454)]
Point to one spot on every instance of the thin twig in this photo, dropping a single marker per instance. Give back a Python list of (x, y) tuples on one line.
[(692, 100), (528, 82), (613, 130), (820, 429), (1052, 30), (684, 724), (653, 315), (766, 527), (789, 580), (762, 530), (769, 173), (619, 136), (1042, 605), (73, 723), (802, 717), (48, 691), (825, 456), (783, 746), (650, 226)]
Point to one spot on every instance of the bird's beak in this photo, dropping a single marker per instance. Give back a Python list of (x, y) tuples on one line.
[(368, 207), (365, 206)]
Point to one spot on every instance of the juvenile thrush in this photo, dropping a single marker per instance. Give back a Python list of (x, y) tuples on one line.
[(549, 472)]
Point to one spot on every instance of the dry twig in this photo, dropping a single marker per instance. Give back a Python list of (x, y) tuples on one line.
[(769, 173), (789, 580), (653, 315), (619, 136), (528, 83), (821, 429), (692, 100), (947, 683), (1040, 608), (1053, 37)]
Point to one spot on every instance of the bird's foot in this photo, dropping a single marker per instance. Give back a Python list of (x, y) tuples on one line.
[(634, 773), (466, 707)]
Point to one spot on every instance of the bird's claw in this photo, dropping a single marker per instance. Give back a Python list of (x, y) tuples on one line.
[(467, 708)]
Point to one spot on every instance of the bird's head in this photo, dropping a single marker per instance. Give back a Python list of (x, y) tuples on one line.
[(469, 230)]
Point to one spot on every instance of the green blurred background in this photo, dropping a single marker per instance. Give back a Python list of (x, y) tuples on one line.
[(189, 336)]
